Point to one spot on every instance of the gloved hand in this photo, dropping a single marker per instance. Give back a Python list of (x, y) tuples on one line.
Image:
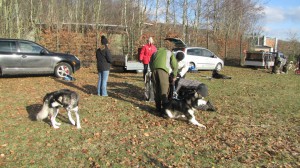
[(173, 81)]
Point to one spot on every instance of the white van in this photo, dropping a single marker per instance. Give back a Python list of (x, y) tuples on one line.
[(198, 57), (259, 59)]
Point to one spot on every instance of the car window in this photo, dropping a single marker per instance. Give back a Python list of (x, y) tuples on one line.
[(178, 49), (207, 53), (8, 46), (194, 51), (27, 47)]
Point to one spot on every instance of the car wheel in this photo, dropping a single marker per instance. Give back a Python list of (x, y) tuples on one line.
[(219, 67), (62, 70), (192, 65)]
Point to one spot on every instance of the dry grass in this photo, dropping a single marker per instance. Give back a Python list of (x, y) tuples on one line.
[(257, 124)]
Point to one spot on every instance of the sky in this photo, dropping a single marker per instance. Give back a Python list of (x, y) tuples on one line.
[(281, 19)]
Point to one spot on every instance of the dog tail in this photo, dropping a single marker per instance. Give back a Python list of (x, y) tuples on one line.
[(43, 113)]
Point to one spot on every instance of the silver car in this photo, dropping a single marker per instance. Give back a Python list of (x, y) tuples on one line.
[(19, 57), (198, 57)]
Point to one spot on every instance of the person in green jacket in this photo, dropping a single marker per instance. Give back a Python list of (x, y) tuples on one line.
[(162, 63)]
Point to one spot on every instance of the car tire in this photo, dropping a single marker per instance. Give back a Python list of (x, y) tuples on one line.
[(63, 69), (191, 64), (219, 67)]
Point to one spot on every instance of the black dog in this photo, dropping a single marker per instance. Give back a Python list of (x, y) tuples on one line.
[(217, 75)]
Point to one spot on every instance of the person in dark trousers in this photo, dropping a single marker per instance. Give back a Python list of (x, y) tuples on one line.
[(146, 53), (103, 65), (162, 63)]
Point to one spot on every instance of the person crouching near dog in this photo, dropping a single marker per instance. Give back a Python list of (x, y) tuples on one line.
[(161, 64), (183, 65), (103, 57)]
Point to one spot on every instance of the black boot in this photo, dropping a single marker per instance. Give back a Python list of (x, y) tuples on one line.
[(158, 106)]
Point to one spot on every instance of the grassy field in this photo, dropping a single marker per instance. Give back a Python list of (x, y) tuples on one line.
[(257, 124)]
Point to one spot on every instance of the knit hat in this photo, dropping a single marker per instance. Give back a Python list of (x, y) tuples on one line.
[(104, 40), (179, 56)]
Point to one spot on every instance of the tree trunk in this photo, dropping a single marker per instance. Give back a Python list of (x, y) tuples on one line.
[(82, 16), (184, 20), (167, 11), (18, 19)]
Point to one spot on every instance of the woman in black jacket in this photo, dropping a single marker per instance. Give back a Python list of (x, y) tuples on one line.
[(103, 65)]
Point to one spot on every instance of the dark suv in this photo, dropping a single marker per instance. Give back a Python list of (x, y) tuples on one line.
[(19, 57)]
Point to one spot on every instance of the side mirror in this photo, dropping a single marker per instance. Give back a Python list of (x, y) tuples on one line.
[(44, 52)]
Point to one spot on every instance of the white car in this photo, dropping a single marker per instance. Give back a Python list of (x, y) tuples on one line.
[(198, 57)]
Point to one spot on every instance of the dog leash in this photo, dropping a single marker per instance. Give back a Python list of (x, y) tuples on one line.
[(175, 95)]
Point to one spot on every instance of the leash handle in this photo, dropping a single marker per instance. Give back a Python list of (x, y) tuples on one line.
[(175, 95)]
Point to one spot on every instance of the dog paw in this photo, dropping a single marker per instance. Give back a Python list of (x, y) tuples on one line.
[(57, 123), (78, 127), (72, 122), (202, 126), (55, 127)]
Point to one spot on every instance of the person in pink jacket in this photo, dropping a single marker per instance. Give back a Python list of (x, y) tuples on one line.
[(146, 53)]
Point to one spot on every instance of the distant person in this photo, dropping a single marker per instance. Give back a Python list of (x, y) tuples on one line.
[(162, 63), (146, 53), (267, 60), (276, 67), (103, 66)]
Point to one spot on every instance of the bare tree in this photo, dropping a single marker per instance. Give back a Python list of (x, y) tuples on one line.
[(184, 19), (167, 10)]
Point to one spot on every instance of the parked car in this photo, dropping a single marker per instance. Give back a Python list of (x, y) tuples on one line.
[(198, 57), (19, 57)]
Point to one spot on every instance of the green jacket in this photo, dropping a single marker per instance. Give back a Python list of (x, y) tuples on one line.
[(165, 60)]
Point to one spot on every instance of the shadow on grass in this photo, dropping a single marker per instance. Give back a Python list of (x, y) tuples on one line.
[(88, 89), (155, 162), (130, 93), (122, 91)]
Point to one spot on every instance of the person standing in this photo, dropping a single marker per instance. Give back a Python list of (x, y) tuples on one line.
[(103, 57), (146, 53), (162, 63)]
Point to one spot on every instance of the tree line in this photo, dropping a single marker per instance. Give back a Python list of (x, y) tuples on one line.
[(220, 25)]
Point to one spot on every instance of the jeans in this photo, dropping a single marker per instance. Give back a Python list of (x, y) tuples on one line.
[(102, 83), (145, 70)]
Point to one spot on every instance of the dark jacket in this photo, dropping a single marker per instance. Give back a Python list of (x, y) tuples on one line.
[(103, 59)]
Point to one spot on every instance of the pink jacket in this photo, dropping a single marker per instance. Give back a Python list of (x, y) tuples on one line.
[(146, 53)]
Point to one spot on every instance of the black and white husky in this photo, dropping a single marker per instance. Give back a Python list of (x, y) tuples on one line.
[(185, 107), (53, 101)]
